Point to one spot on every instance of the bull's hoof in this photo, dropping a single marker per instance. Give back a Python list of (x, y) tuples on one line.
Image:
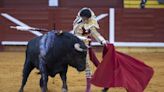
[(64, 90), (105, 90), (44, 89), (21, 90)]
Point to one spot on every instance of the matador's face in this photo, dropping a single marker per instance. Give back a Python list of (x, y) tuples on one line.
[(85, 19)]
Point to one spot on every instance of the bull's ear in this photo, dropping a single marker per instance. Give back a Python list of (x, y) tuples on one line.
[(77, 47)]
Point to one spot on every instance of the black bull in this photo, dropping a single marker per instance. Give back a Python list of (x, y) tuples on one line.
[(51, 54)]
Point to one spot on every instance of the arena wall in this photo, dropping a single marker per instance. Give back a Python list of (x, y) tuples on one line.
[(136, 25), (91, 3), (123, 27)]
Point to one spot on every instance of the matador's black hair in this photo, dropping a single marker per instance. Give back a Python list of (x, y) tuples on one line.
[(85, 13)]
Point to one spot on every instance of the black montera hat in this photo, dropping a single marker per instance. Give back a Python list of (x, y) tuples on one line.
[(85, 13)]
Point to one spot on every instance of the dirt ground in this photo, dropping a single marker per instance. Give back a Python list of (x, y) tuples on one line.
[(11, 64)]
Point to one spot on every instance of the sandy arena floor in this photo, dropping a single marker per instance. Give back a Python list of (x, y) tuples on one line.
[(11, 64)]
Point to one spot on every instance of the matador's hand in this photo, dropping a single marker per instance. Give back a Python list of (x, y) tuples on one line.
[(104, 42)]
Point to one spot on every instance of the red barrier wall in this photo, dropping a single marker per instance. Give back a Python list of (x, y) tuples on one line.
[(91, 3), (139, 25), (131, 25)]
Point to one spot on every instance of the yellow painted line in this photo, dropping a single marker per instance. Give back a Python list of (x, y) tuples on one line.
[(131, 6), (147, 6), (154, 6), (138, 2)]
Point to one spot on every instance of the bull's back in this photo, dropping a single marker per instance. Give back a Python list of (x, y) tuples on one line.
[(33, 45)]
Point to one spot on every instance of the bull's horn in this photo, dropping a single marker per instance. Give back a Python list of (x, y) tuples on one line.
[(77, 47)]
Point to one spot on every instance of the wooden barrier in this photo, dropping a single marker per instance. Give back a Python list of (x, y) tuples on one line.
[(131, 25), (23, 4), (1, 47), (139, 25), (62, 19), (91, 3), (1, 3), (32, 17)]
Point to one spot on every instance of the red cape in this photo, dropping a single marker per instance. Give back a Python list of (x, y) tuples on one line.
[(120, 70)]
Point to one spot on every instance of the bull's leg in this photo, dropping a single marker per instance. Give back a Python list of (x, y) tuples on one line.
[(105, 90), (28, 67), (42, 84), (64, 79), (44, 75)]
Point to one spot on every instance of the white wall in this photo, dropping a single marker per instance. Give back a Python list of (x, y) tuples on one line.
[(53, 3)]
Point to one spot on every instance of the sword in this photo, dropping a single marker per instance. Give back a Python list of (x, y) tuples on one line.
[(21, 28)]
